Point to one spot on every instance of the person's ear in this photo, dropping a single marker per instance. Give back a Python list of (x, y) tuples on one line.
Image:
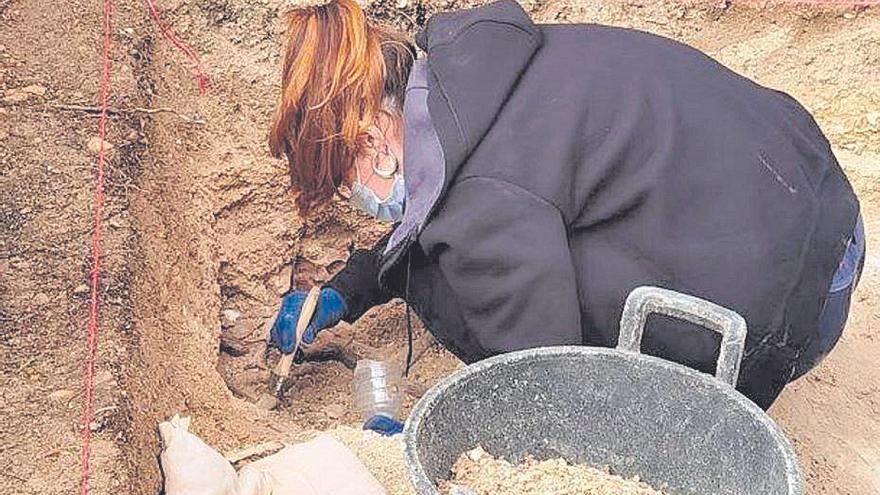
[(372, 137)]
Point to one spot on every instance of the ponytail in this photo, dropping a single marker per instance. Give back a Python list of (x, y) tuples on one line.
[(339, 71)]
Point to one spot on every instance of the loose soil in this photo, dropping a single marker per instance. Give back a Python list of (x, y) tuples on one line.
[(200, 220), (484, 474)]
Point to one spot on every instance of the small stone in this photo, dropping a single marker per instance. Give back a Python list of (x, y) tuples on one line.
[(41, 299), (25, 210), (873, 118), (81, 289), (104, 377), (281, 280), (15, 96), (334, 411), (230, 317), (61, 395), (849, 15), (460, 490), (267, 402), (114, 223), (94, 145), (475, 454), (35, 89)]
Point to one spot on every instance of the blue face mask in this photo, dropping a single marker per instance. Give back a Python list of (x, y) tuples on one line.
[(389, 209)]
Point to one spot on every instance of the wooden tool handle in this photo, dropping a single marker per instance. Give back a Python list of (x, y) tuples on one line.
[(282, 369)]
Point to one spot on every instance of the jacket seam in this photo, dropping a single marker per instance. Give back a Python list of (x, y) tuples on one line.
[(530, 36), (448, 104), (531, 193), (466, 28)]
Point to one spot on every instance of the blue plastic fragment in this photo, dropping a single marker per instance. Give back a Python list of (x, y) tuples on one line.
[(384, 425)]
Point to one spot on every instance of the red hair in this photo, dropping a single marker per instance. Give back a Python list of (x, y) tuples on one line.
[(332, 85)]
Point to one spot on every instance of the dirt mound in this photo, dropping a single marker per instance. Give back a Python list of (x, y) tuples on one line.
[(201, 222)]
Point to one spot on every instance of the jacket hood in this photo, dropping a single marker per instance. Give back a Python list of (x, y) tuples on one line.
[(475, 58)]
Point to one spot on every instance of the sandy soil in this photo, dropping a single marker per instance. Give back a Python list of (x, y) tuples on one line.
[(200, 221), (482, 473)]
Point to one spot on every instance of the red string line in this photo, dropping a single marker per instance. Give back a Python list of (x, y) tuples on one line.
[(171, 36), (95, 273)]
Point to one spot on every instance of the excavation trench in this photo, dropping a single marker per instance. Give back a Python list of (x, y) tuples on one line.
[(217, 230), (218, 235)]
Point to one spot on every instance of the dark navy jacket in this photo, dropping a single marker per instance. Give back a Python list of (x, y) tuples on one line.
[(551, 169)]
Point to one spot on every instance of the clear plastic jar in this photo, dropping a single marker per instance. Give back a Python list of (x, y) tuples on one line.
[(377, 389)]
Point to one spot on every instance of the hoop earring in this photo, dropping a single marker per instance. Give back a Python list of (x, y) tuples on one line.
[(386, 174)]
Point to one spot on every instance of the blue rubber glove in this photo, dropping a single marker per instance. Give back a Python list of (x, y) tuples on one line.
[(330, 311)]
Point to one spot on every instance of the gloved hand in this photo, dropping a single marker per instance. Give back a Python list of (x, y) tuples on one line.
[(330, 311)]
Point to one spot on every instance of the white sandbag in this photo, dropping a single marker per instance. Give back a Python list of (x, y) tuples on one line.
[(322, 466), (190, 466)]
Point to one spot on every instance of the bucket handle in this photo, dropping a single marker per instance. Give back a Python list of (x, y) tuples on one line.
[(644, 301)]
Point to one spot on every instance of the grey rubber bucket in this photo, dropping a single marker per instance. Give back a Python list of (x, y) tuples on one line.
[(680, 430)]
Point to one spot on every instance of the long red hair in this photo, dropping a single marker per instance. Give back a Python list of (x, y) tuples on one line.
[(334, 81)]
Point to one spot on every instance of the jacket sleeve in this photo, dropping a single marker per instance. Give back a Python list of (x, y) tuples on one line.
[(358, 282), (504, 253)]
